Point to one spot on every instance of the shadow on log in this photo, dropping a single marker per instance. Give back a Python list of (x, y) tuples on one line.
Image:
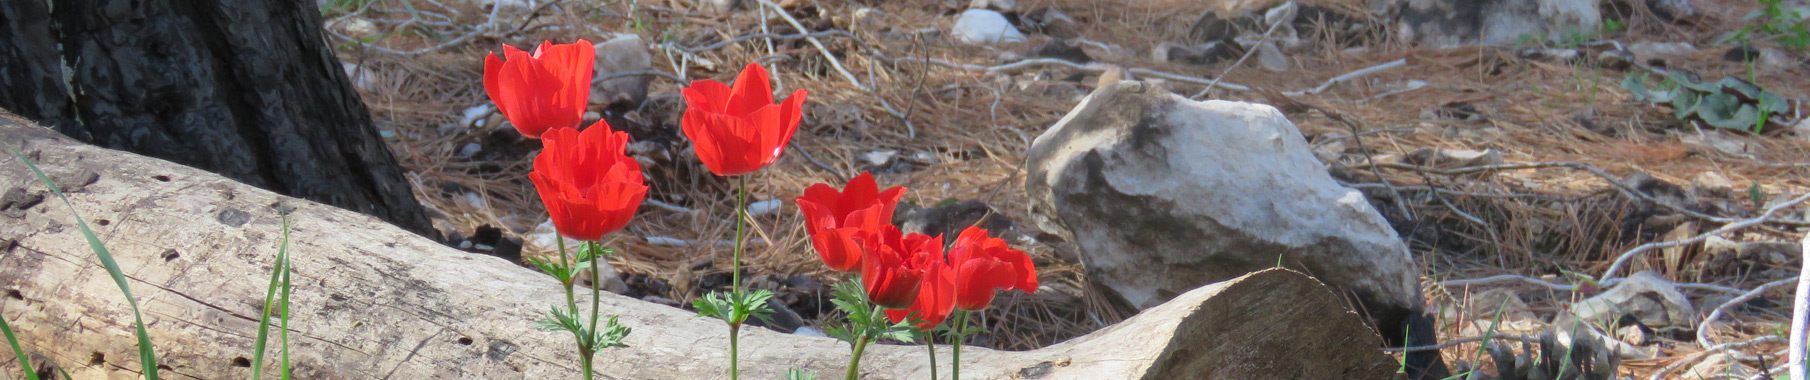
[(375, 302)]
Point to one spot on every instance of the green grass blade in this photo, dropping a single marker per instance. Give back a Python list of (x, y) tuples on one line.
[(270, 301), (24, 362), (286, 313), (147, 355)]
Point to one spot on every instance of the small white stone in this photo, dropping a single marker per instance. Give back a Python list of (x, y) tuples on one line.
[(879, 158), (469, 150), (357, 27), (764, 207), (545, 237), (810, 331), (667, 242), (471, 116), (981, 26)]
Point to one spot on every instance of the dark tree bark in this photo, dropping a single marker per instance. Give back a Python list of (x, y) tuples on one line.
[(245, 88)]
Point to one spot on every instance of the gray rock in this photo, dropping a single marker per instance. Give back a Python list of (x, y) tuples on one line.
[(1712, 185), (1645, 296), (1662, 50), (1446, 23), (1052, 22), (1201, 54), (1270, 57), (981, 26), (1453, 158), (1164, 194), (1615, 59), (718, 6), (622, 54), (949, 219), (1064, 50), (1673, 10), (1211, 26), (1801, 130)]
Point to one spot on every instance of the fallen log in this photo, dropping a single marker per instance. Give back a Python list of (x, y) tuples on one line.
[(372, 301)]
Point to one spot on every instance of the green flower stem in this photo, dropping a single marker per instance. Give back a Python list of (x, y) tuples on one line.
[(734, 332), (596, 289), (930, 342), (741, 220), (955, 363), (565, 260), (854, 359)]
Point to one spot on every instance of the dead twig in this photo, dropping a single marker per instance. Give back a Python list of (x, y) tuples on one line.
[(1762, 219), (1699, 355), (836, 63)]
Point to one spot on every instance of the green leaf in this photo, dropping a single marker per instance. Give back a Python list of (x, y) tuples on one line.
[(611, 335), (24, 362), (561, 319), (147, 355), (1685, 104), (556, 269), (1773, 102), (713, 305), (754, 304), (1756, 195), (1636, 84), (799, 374), (1726, 111), (1741, 87)]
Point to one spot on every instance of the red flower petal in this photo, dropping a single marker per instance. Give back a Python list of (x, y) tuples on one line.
[(751, 92)]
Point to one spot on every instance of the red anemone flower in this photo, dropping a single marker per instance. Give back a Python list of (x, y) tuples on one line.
[(833, 218), (590, 187), (936, 299), (892, 265), (980, 263), (545, 90), (737, 130)]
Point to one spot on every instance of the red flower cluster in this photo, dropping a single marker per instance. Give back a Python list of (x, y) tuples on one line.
[(977, 264), (588, 184), (737, 130), (835, 218), (908, 272)]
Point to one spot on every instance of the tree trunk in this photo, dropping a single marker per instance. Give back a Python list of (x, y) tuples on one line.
[(374, 302), (245, 88)]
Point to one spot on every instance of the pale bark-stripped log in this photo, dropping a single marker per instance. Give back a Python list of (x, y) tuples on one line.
[(373, 301), (1800, 315)]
